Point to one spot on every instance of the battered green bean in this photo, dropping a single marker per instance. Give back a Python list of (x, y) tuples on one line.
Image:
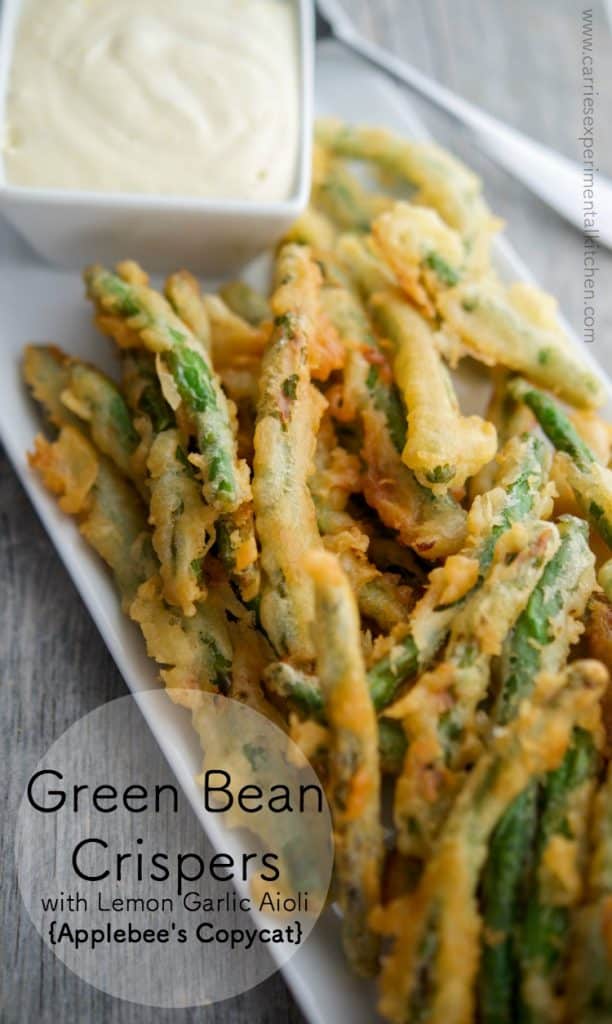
[(354, 786), (143, 393), (288, 415), (298, 688), (443, 448), (72, 392), (188, 524), (556, 884), (302, 692), (442, 181), (342, 197), (364, 265), (153, 325), (541, 639), (511, 419), (590, 481), (111, 516), (507, 860), (433, 525), (237, 549), (425, 254), (195, 653), (184, 295), (182, 524), (245, 302), (495, 327), (381, 596), (590, 973)]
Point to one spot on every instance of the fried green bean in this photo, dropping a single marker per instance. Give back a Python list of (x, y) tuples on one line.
[(143, 393), (384, 600), (298, 688), (237, 548), (235, 341), (439, 713), (381, 597), (590, 481), (194, 652), (45, 371), (364, 265), (342, 197), (556, 877), (541, 639), (302, 693), (151, 323), (183, 526), (354, 786), (183, 293), (519, 494), (441, 181), (111, 515), (497, 325), (425, 254), (368, 376), (312, 228), (443, 448), (73, 392), (510, 417), (590, 971), (507, 861), (246, 302), (433, 525), (431, 970), (234, 532), (288, 415)]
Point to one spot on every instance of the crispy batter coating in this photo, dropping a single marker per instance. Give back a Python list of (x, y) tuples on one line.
[(443, 448), (354, 784), (285, 436), (517, 328)]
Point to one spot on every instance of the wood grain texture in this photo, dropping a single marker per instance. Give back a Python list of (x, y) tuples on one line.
[(521, 62)]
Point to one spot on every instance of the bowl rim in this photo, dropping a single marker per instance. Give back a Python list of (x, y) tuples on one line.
[(296, 201)]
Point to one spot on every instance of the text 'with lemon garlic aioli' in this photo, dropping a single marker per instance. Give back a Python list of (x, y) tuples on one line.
[(187, 98)]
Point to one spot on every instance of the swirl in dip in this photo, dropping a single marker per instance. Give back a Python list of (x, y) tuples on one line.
[(173, 97)]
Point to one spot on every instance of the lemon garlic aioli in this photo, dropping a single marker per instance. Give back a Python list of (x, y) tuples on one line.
[(188, 97)]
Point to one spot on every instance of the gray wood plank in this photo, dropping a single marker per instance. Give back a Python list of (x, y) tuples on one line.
[(520, 61)]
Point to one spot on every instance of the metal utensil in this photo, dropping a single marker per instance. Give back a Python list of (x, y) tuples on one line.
[(557, 181)]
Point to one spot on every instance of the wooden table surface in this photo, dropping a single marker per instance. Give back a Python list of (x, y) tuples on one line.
[(521, 62)]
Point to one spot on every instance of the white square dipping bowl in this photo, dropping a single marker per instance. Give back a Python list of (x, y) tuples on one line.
[(210, 236)]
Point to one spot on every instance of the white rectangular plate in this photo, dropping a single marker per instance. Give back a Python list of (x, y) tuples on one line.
[(38, 303)]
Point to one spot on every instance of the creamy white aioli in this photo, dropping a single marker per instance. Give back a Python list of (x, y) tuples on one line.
[(182, 97)]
